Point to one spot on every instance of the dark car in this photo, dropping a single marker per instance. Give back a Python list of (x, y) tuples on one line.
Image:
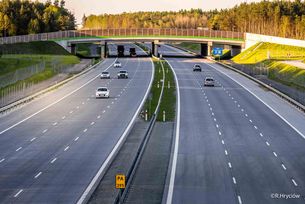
[(197, 67)]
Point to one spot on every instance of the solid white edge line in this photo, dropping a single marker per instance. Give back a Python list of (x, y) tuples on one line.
[(279, 115), (176, 148), (118, 144), (55, 102), (18, 193)]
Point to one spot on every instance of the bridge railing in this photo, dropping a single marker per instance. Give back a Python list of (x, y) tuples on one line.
[(142, 32)]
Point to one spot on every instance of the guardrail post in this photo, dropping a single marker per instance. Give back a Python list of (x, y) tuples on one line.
[(169, 85), (163, 116), (146, 115)]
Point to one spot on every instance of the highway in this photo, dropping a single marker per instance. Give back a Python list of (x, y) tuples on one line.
[(235, 142), (51, 148)]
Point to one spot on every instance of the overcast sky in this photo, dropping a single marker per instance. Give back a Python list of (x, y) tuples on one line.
[(81, 7)]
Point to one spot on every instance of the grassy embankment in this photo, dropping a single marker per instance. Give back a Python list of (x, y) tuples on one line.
[(21, 55), (271, 56), (168, 102)]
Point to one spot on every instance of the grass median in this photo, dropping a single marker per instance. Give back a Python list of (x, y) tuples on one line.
[(168, 101)]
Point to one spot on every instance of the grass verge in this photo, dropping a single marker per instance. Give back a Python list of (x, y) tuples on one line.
[(168, 102)]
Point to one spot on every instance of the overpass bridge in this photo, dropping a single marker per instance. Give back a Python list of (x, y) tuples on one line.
[(235, 41)]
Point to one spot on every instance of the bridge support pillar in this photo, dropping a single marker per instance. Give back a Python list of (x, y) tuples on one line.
[(104, 50), (73, 49), (235, 50), (154, 48), (206, 49)]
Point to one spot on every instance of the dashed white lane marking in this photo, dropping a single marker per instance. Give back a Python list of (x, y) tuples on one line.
[(219, 132), (66, 148), (116, 99), (246, 115), (230, 165), (34, 138), (112, 102), (250, 121), (211, 109), (76, 139), (274, 154), (92, 123), (77, 107), (235, 101), (215, 119), (2, 160), (261, 134), (98, 117), (217, 125), (88, 99), (108, 106), (209, 104), (267, 143), (255, 127), (63, 117), (213, 114), (83, 103), (18, 193), (53, 160), (45, 131), (18, 149), (85, 130), (223, 142), (239, 200), (293, 181), (234, 180), (71, 112), (284, 167), (226, 152), (37, 175), (104, 111), (242, 110), (54, 123)]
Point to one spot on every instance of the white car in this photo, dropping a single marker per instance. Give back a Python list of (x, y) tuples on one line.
[(117, 64), (105, 75), (209, 81), (122, 74), (102, 92)]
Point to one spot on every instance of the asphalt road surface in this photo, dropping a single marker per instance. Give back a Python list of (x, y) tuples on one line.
[(51, 148), (232, 146)]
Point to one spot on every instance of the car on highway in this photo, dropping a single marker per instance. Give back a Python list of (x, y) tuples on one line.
[(209, 81), (197, 67), (117, 64), (105, 75), (123, 74), (102, 92)]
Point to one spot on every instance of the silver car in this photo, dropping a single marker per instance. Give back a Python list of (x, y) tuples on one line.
[(117, 64), (209, 81), (105, 75)]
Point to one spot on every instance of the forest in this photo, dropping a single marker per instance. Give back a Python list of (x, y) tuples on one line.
[(20, 17), (278, 18)]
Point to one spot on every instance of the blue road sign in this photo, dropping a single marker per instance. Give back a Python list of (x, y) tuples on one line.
[(217, 51)]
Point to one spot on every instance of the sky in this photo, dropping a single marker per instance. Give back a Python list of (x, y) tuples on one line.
[(81, 7)]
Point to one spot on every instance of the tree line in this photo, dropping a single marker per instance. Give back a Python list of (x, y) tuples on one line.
[(21, 17), (279, 18)]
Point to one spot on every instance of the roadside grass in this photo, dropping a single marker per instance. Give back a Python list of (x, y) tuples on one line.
[(260, 52), (194, 47), (284, 73), (168, 102)]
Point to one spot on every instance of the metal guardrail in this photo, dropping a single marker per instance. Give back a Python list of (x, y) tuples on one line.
[(141, 32), (131, 172), (277, 92), (33, 96)]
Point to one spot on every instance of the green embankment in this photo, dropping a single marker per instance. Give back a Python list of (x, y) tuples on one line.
[(168, 102), (271, 56), (21, 55)]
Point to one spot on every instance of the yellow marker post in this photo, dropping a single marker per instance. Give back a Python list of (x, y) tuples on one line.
[(120, 181)]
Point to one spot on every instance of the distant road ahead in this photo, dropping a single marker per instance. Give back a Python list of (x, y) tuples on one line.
[(231, 147), (51, 148)]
